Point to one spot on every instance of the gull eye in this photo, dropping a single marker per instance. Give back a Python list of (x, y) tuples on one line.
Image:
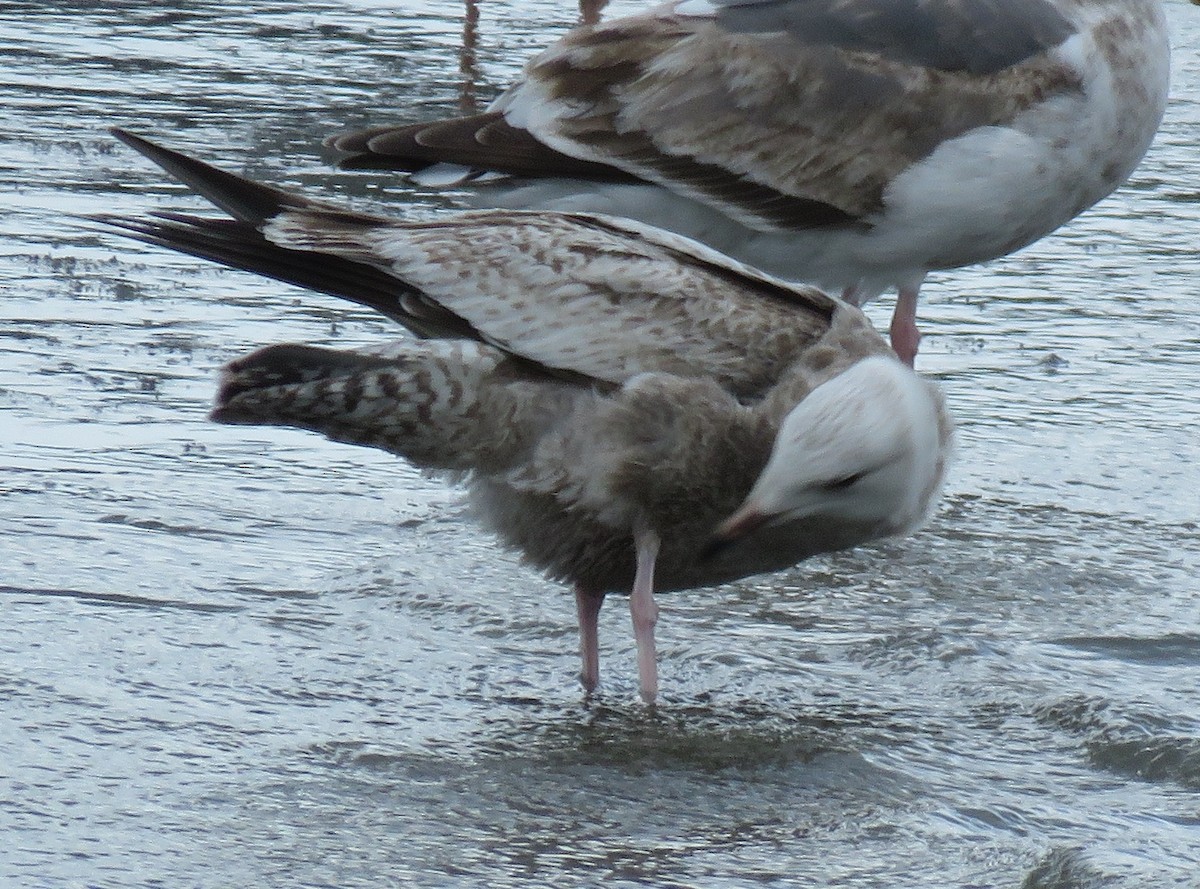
[(843, 483)]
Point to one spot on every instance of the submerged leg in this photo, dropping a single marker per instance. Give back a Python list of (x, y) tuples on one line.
[(644, 612), (905, 336), (587, 606)]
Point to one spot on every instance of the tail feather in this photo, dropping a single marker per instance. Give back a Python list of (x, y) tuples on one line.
[(289, 366), (440, 404)]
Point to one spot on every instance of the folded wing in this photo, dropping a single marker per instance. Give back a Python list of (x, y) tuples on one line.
[(581, 296)]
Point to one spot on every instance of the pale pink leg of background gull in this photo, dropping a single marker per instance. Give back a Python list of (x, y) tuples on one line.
[(903, 331), (905, 336)]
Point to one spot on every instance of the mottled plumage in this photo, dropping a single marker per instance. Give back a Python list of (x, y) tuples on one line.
[(853, 144), (631, 410)]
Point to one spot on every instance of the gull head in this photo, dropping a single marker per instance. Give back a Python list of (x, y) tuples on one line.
[(863, 451)]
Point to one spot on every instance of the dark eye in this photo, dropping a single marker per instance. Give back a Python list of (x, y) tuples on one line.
[(841, 484)]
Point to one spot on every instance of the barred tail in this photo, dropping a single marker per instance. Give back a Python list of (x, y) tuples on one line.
[(441, 405)]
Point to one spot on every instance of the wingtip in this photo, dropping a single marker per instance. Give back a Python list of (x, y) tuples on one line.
[(124, 135), (142, 145), (332, 142), (241, 198)]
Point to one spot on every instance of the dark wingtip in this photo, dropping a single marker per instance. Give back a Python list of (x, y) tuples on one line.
[(354, 152), (178, 165), (377, 163), (344, 142), (134, 141), (242, 199), (279, 365)]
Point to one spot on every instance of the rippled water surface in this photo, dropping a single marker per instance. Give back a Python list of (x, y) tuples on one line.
[(243, 657)]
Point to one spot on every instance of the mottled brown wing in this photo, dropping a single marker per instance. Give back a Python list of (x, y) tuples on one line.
[(781, 115), (761, 125), (597, 298)]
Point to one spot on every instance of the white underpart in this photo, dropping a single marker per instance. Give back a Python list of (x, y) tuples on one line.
[(442, 176), (697, 8), (996, 189)]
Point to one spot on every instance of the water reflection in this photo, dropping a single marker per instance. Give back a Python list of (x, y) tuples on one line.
[(468, 59), (590, 10)]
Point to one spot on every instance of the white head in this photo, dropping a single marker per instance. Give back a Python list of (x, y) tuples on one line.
[(865, 448)]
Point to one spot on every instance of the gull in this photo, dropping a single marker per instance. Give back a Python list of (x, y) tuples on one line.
[(857, 145), (629, 409)]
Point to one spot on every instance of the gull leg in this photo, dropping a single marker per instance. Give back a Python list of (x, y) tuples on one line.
[(589, 10), (905, 336), (587, 606), (644, 611)]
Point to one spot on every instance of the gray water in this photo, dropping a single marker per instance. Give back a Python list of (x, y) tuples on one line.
[(244, 657)]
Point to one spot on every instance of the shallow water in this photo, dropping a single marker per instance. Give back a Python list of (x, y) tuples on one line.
[(234, 656)]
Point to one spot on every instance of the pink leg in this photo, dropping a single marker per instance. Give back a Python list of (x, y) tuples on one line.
[(587, 606), (905, 336), (644, 612)]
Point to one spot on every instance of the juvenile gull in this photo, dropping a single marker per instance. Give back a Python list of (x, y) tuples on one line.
[(854, 144), (630, 410)]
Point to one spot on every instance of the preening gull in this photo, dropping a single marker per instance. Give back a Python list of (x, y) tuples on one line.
[(630, 410), (853, 144)]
